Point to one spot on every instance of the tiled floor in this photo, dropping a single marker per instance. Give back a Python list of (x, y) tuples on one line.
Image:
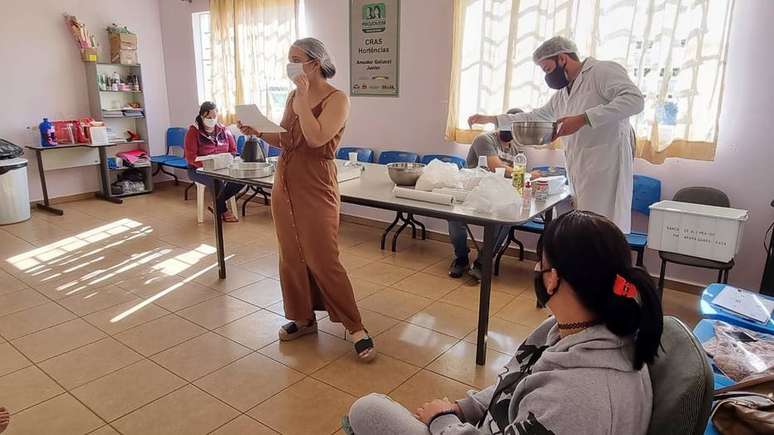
[(113, 320)]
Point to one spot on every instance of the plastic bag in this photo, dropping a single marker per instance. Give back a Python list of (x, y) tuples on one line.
[(493, 195), (740, 352), (469, 179), (438, 174)]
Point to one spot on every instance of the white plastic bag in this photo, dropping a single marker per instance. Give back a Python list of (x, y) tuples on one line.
[(468, 179), (494, 195), (438, 174)]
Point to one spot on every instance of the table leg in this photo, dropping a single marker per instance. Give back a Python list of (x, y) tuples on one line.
[(46, 204), (216, 188), (105, 179), (485, 256)]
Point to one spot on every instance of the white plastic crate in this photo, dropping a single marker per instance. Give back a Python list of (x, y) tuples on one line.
[(713, 233)]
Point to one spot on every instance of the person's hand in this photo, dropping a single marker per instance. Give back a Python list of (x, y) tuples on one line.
[(481, 119), (301, 97), (430, 409), (569, 125), (535, 174), (247, 130)]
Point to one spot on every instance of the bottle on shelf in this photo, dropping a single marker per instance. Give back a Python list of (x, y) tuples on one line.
[(519, 171), (47, 133), (116, 81)]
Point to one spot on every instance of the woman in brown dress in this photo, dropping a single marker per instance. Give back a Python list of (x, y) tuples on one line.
[(305, 200)]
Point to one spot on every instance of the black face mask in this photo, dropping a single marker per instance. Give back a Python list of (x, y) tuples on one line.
[(541, 292), (557, 79), (505, 135)]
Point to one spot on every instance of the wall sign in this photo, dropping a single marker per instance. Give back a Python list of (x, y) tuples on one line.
[(374, 28)]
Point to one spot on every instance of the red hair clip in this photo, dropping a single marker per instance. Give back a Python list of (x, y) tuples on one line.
[(624, 288)]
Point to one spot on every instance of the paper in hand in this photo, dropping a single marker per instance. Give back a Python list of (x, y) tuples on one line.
[(251, 116)]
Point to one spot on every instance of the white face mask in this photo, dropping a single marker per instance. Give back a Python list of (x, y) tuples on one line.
[(295, 69), (209, 122)]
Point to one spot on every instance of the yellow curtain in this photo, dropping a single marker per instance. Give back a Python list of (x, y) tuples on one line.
[(250, 42), (674, 50)]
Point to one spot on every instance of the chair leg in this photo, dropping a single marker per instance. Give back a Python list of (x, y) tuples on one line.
[(158, 168), (233, 205), (725, 277), (170, 174), (661, 277), (185, 194), (720, 275), (389, 228), (640, 254), (521, 249), (199, 202), (499, 256), (250, 198), (397, 234)]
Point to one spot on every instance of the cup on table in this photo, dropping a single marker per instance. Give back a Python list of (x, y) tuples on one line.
[(500, 172), (352, 157)]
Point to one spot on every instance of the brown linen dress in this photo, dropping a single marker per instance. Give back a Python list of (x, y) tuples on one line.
[(305, 206)]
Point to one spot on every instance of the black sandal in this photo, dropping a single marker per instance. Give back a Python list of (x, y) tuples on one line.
[(364, 345), (291, 331)]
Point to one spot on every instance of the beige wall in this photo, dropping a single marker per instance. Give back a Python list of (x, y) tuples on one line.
[(41, 74)]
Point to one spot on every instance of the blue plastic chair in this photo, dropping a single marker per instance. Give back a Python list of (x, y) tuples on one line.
[(647, 191), (241, 144), (274, 151), (365, 155), (386, 157), (459, 161), (173, 157)]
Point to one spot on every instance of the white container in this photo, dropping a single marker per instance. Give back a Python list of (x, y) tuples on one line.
[(214, 162), (704, 231), (14, 192), (555, 183)]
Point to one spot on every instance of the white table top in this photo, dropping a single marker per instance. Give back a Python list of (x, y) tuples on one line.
[(374, 189)]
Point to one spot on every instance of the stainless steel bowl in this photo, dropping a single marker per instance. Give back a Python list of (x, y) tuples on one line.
[(531, 133), (405, 174)]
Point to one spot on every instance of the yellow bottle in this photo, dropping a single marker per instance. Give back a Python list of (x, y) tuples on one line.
[(519, 171)]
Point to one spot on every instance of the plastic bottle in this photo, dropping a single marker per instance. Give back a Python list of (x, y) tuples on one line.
[(518, 172), (47, 133), (526, 195)]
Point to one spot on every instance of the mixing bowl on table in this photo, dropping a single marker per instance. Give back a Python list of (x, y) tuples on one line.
[(405, 174)]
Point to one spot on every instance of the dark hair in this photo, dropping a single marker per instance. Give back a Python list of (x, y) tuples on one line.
[(588, 251), (203, 110), (573, 56)]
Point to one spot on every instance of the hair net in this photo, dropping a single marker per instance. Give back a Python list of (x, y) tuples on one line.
[(554, 46), (315, 49)]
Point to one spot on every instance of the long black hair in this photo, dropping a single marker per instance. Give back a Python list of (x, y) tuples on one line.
[(588, 251), (203, 110)]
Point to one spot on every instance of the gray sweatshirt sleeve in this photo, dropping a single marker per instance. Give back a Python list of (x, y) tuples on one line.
[(474, 406)]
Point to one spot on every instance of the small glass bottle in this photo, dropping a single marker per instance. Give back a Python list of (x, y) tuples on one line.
[(519, 171)]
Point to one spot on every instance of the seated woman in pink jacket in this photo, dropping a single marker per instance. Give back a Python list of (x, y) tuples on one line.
[(207, 137)]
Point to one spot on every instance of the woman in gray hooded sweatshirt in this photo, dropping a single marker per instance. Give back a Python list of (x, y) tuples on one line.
[(582, 371)]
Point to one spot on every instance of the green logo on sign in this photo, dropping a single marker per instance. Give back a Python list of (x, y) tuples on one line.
[(374, 18)]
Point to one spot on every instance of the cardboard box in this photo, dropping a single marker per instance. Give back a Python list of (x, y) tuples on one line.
[(89, 54), (122, 41), (126, 57)]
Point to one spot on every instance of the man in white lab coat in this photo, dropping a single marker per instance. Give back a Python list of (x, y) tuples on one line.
[(592, 105)]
